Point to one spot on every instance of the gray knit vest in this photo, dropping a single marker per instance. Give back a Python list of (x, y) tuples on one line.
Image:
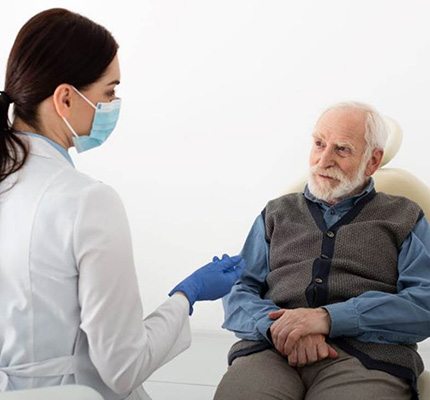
[(312, 266)]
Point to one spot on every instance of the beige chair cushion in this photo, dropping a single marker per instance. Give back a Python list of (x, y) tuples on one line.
[(398, 181), (424, 385), (402, 183), (394, 140)]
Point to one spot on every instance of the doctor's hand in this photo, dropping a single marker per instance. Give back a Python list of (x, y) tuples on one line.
[(291, 325), (212, 281)]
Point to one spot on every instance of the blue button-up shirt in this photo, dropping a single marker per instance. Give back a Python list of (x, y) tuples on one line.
[(402, 317)]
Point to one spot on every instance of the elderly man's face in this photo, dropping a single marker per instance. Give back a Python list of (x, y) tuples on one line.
[(338, 164)]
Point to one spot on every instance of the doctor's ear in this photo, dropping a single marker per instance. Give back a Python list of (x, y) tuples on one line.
[(62, 99)]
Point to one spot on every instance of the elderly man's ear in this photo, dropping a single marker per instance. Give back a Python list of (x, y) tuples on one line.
[(374, 162)]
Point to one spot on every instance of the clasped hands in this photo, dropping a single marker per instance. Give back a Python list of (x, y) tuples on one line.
[(299, 334)]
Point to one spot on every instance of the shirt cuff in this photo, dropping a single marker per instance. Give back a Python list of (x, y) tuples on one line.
[(344, 319), (263, 326)]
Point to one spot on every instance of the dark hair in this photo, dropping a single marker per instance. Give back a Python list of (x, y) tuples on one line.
[(55, 46)]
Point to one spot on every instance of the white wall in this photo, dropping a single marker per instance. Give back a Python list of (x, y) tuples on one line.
[(219, 98)]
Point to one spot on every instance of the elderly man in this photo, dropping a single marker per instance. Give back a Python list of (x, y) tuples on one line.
[(336, 292)]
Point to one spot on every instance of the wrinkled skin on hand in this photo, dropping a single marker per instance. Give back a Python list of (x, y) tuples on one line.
[(299, 334), (310, 349)]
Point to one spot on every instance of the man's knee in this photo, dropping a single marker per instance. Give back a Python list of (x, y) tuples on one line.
[(260, 376)]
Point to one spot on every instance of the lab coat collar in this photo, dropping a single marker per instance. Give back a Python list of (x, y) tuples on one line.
[(42, 148)]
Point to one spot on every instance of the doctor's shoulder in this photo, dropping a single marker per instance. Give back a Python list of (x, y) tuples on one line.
[(73, 195), (88, 191)]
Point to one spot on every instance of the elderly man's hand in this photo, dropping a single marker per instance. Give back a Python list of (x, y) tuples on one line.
[(291, 325), (310, 349)]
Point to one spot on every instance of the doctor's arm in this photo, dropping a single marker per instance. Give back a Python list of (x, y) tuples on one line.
[(246, 312), (124, 348)]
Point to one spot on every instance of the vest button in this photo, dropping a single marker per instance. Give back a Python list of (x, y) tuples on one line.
[(318, 280), (330, 234)]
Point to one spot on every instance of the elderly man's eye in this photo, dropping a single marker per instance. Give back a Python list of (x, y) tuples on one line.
[(343, 149)]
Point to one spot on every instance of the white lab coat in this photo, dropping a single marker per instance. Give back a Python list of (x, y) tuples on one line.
[(70, 310)]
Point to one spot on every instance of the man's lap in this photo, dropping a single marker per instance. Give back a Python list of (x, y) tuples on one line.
[(267, 376), (247, 379)]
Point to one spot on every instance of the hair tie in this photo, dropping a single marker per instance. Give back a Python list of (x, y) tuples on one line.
[(4, 96)]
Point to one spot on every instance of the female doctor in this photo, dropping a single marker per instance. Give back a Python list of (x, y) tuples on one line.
[(69, 300)]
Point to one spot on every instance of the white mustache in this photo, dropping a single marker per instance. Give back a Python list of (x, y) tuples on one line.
[(332, 172)]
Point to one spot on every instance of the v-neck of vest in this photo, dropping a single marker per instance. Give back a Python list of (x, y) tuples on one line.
[(346, 219)]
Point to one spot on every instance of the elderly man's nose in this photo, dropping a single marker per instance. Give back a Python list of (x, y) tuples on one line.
[(325, 159)]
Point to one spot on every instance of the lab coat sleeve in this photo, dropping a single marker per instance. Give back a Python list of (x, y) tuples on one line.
[(124, 348)]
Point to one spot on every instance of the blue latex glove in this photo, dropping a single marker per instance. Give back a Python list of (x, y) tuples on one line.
[(212, 281)]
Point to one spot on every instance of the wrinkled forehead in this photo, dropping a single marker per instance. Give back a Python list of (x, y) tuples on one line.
[(342, 124)]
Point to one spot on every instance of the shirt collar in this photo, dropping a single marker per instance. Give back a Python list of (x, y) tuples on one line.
[(55, 145), (345, 203)]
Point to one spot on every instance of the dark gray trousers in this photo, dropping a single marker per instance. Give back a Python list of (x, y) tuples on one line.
[(267, 376)]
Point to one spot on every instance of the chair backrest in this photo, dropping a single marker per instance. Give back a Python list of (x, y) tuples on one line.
[(394, 181)]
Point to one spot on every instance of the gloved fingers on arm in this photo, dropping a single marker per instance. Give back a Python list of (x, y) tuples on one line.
[(228, 263), (226, 259), (236, 269)]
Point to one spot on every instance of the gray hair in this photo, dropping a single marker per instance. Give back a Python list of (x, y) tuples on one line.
[(376, 133)]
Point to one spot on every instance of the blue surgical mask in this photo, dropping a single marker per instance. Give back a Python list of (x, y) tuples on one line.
[(105, 119)]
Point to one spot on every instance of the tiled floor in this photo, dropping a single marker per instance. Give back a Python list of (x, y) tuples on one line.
[(195, 373)]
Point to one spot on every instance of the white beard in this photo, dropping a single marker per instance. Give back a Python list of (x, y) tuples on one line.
[(345, 188)]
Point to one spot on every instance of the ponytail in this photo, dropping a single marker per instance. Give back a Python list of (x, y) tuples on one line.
[(5, 101), (53, 47), (13, 151)]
